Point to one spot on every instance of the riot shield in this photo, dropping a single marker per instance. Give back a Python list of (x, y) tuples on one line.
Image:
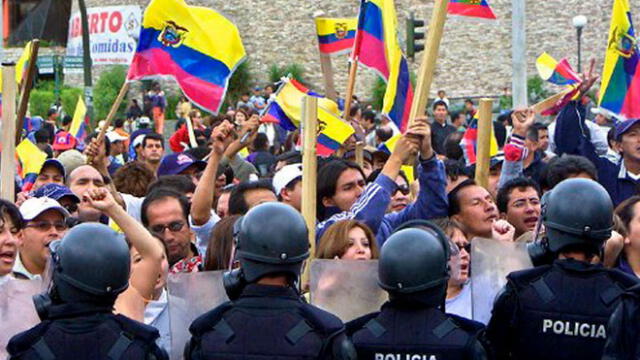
[(348, 289), (17, 312), (491, 262), (191, 295)]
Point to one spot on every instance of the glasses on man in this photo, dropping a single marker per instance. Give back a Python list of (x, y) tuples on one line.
[(404, 189), (173, 226), (46, 225)]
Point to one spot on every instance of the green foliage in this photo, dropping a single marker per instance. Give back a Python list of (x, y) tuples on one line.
[(43, 97), (505, 102), (295, 70), (40, 101), (170, 110), (536, 89), (239, 83), (69, 98), (106, 90)]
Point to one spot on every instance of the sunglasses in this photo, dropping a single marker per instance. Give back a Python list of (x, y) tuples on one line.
[(173, 226), (404, 189), (46, 225)]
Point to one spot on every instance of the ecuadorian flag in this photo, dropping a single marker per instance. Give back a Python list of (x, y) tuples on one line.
[(286, 110), (78, 126), (31, 160), (377, 48), (197, 46), (478, 9), (336, 35), (620, 87), (556, 72)]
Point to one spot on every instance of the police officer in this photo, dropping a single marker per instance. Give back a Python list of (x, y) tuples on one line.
[(560, 310), (90, 267), (412, 325), (623, 330), (266, 317)]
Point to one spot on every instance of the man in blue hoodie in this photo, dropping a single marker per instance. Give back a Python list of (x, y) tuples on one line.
[(342, 194)]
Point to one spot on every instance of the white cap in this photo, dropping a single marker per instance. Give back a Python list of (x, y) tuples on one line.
[(138, 141), (31, 208), (601, 111), (114, 136), (285, 176), (144, 120)]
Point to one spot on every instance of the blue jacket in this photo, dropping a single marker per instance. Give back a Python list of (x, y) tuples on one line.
[(572, 137), (370, 208)]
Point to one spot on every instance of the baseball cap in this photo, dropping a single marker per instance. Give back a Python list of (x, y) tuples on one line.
[(624, 126), (137, 141), (285, 176), (64, 141), (71, 159), (55, 192), (55, 163), (31, 208), (176, 163), (144, 120), (114, 136)]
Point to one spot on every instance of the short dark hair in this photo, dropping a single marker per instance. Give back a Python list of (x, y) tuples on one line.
[(452, 148), (261, 142), (181, 184), (369, 116), (66, 120), (199, 152), (468, 101), (161, 194), (384, 133), (152, 136), (41, 136), (611, 137), (328, 176), (504, 193), (237, 202), (455, 169), (454, 200), (354, 110), (118, 123), (133, 178), (562, 167), (51, 111), (11, 210), (439, 103), (532, 134)]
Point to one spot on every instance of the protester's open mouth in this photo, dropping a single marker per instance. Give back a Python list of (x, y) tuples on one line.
[(7, 256), (531, 221)]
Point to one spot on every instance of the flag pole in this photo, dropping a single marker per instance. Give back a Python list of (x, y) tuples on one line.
[(27, 84), (428, 65), (309, 172), (327, 67), (8, 170), (112, 114), (353, 68), (483, 154)]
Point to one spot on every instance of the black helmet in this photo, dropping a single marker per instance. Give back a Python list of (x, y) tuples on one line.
[(577, 211), (414, 259), (271, 238), (90, 263)]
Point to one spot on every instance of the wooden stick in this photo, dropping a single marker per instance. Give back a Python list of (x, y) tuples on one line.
[(27, 84), (309, 181), (111, 115), (192, 135), (483, 152), (350, 88), (428, 65), (549, 102), (360, 153), (327, 75), (8, 169)]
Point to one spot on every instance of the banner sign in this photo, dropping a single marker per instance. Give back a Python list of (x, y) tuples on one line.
[(113, 33)]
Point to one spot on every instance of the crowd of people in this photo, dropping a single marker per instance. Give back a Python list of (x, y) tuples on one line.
[(181, 203)]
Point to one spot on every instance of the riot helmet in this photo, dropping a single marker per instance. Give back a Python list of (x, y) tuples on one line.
[(577, 212), (271, 238), (414, 261), (91, 264)]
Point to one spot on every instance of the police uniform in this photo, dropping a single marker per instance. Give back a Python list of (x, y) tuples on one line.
[(76, 311), (557, 311), (86, 332), (267, 322), (419, 333), (411, 326), (623, 330)]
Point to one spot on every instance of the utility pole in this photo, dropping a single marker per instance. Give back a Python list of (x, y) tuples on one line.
[(86, 54), (518, 53)]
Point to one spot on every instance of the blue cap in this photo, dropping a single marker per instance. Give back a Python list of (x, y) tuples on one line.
[(57, 164), (176, 163), (624, 126), (55, 192)]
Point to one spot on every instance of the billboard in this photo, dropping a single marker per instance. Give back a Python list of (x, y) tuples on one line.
[(113, 33)]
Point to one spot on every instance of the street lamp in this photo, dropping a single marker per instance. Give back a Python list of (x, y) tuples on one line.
[(579, 22)]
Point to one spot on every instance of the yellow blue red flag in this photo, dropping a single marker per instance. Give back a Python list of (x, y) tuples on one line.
[(31, 160), (195, 45), (336, 35), (620, 87), (78, 128), (377, 48)]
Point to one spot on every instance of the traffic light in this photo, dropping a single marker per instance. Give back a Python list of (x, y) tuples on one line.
[(413, 35)]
